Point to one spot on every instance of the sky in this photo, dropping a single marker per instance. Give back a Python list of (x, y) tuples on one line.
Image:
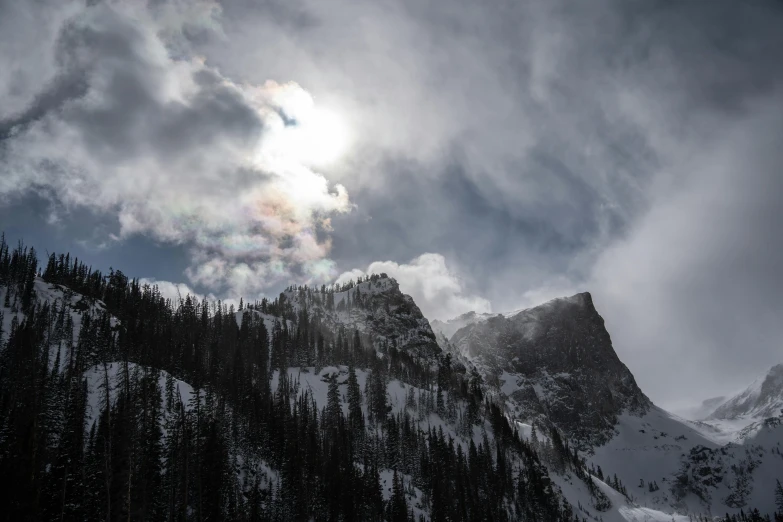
[(490, 156)]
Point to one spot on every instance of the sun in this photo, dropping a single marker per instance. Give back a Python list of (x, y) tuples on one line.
[(320, 136), (303, 133)]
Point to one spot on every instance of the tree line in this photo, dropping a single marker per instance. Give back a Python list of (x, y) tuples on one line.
[(235, 449)]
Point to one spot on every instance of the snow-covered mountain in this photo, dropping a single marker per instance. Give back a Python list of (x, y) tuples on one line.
[(378, 310), (533, 415), (762, 399), (406, 424), (555, 363), (730, 420), (450, 327)]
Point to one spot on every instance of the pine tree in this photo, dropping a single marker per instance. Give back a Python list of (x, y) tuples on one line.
[(333, 408), (779, 496), (398, 508), (355, 415)]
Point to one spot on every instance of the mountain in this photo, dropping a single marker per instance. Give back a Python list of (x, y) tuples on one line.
[(330, 403), (701, 410), (449, 328), (337, 403), (763, 398), (555, 363), (377, 309), (730, 420)]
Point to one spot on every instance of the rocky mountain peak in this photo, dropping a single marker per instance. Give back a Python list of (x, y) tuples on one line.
[(555, 362), (374, 306)]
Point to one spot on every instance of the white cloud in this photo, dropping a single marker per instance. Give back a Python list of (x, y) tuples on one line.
[(132, 126), (169, 290), (437, 289), (558, 287)]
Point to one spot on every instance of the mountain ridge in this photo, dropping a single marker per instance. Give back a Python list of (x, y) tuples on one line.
[(763, 398), (536, 401)]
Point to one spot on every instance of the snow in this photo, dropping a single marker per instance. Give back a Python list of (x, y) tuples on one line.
[(95, 380), (77, 305), (317, 383), (648, 448), (8, 316), (644, 448), (269, 320), (414, 496), (723, 431), (621, 510), (450, 327), (731, 420), (509, 383), (763, 398), (655, 446)]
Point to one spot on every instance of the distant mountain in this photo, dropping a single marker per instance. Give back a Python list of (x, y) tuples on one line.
[(450, 327), (701, 411), (763, 398), (708, 405)]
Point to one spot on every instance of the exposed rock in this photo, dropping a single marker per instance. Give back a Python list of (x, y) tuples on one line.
[(379, 311), (555, 362)]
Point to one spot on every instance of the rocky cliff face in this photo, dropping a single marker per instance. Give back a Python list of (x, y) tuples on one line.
[(555, 363), (378, 310)]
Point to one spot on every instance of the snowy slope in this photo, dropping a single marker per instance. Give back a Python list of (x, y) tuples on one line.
[(621, 510), (650, 449), (316, 383), (96, 395), (550, 365), (730, 420), (269, 320), (77, 305), (762, 399), (694, 474)]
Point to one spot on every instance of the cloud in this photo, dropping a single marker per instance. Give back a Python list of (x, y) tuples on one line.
[(173, 291), (437, 289), (132, 127), (692, 294)]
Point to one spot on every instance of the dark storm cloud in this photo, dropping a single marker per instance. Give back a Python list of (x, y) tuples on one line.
[(114, 51), (66, 87)]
